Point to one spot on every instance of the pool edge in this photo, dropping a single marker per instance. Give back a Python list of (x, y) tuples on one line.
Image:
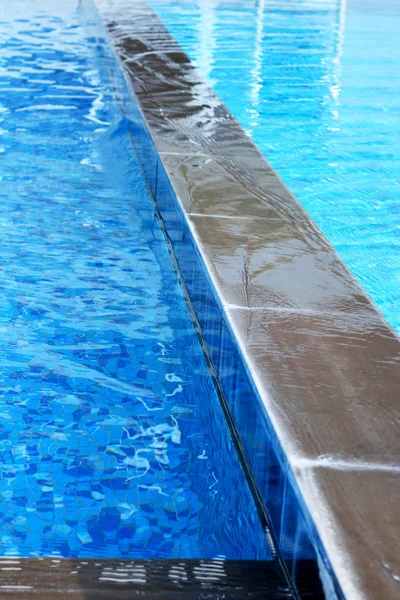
[(183, 128), (124, 579)]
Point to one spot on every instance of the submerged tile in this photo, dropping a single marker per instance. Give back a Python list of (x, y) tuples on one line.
[(329, 382), (356, 512), (180, 579), (221, 185), (104, 384), (259, 263)]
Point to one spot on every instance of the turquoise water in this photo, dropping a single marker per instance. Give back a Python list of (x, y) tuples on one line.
[(317, 86), (112, 439)]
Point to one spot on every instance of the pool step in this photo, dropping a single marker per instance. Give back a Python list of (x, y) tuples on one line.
[(117, 579)]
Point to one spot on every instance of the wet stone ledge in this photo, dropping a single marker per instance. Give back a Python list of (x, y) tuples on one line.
[(309, 367), (115, 579)]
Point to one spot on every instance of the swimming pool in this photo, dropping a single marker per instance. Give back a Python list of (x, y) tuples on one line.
[(316, 85), (113, 442)]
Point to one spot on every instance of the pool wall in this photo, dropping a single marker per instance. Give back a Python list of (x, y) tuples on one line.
[(308, 366)]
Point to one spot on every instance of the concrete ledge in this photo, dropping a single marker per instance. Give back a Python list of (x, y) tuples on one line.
[(309, 367), (116, 579)]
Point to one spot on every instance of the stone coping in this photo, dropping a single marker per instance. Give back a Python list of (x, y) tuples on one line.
[(175, 579), (320, 357)]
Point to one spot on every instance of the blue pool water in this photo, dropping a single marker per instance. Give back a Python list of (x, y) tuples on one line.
[(317, 85), (112, 439)]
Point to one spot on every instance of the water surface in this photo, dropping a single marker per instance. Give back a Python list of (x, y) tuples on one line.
[(317, 85), (112, 439)]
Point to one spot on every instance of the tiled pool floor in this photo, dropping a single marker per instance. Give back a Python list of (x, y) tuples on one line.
[(112, 439)]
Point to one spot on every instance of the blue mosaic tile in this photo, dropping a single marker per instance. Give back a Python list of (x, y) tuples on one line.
[(113, 442)]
